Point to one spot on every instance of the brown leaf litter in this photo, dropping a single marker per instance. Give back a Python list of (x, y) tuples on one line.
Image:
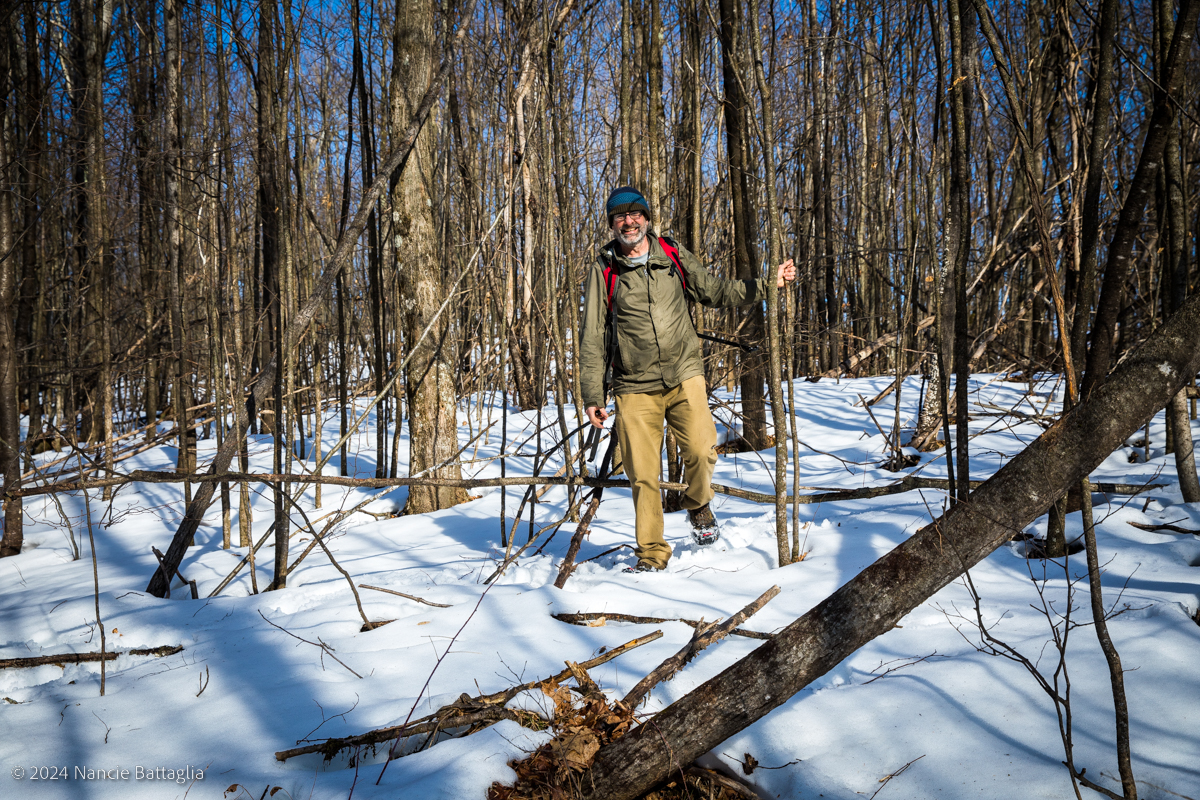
[(585, 721)]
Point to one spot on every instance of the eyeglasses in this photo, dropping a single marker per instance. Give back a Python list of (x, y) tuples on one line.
[(632, 216)]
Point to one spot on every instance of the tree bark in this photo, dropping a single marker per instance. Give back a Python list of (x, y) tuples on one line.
[(745, 256), (10, 462), (1175, 269), (172, 226), (429, 381), (774, 338), (958, 224), (273, 221), (877, 598)]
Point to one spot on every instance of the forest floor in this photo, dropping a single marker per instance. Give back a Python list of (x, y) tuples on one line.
[(917, 713)]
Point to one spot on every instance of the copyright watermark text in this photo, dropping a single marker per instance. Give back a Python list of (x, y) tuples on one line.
[(181, 775)]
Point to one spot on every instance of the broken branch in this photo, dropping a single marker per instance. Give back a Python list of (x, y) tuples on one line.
[(702, 638), (331, 747), (586, 617)]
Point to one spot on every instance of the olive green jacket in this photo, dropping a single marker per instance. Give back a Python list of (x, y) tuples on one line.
[(656, 341)]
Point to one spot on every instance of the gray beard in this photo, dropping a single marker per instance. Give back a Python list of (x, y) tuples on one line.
[(638, 235)]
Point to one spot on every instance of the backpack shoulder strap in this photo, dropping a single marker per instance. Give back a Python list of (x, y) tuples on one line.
[(672, 250), (610, 276)]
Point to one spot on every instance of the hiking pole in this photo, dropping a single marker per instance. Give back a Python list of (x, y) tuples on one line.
[(746, 348), (592, 443)]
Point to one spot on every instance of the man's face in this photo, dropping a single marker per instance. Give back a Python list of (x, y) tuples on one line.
[(630, 229)]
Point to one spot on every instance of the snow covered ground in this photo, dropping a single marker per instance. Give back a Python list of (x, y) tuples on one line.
[(967, 723)]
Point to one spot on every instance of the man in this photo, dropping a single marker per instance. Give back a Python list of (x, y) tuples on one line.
[(656, 368)]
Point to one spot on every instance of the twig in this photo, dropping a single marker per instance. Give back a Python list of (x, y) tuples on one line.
[(907, 663), (1160, 528), (609, 550), (392, 750), (107, 730), (512, 557), (320, 539), (162, 565), (246, 559), (338, 516), (324, 647), (751, 763), (204, 682), (1116, 673), (87, 507), (886, 778), (886, 439), (724, 781), (406, 596), (583, 618)]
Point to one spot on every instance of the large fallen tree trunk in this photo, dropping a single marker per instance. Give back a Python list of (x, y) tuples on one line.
[(878, 597)]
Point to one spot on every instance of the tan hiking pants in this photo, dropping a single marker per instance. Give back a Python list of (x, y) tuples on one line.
[(639, 426)]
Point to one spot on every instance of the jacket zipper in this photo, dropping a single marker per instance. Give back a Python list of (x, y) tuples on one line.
[(653, 327)]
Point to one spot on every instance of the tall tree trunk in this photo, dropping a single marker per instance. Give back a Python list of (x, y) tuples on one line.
[(1175, 267), (271, 205), (374, 254), (625, 91), (774, 339), (745, 229), (173, 229), (31, 300), (429, 378), (143, 91), (958, 222), (689, 176), (655, 124), (10, 461), (937, 385)]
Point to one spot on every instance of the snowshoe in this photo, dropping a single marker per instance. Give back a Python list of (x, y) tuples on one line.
[(705, 530), (641, 566)]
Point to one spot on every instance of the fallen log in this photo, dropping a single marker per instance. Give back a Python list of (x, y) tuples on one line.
[(909, 484), (452, 715), (876, 599), (147, 476), (62, 659)]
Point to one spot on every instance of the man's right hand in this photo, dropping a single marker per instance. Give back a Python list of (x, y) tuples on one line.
[(596, 416)]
